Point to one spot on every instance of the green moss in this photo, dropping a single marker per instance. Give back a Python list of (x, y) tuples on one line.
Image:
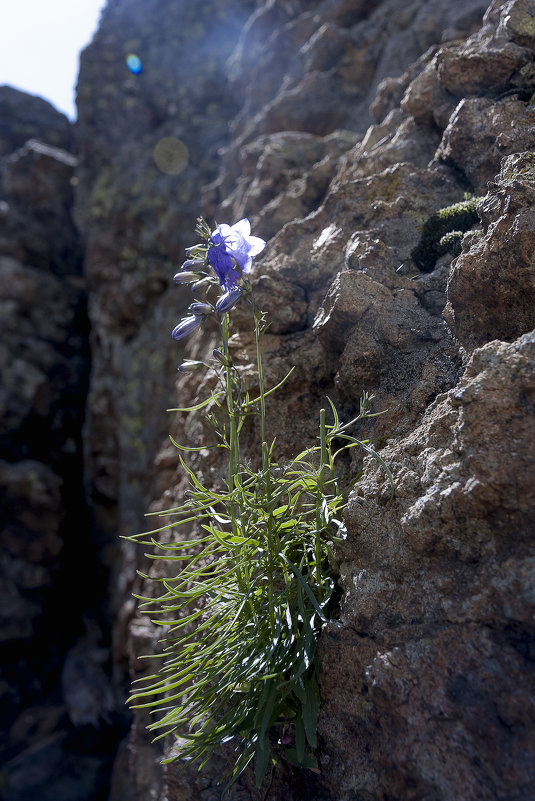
[(452, 243), (443, 232)]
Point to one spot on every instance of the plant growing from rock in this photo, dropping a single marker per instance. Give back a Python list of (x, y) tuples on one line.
[(247, 594), (443, 232)]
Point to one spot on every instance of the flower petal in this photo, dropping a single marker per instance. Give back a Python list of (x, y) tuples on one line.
[(235, 241), (256, 245), (223, 266), (220, 232), (242, 227), (245, 263)]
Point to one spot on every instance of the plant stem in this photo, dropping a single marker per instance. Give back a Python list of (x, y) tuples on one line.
[(258, 335), (320, 496), (266, 466), (234, 444), (234, 441)]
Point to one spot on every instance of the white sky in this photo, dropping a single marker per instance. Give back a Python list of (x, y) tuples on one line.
[(40, 41)]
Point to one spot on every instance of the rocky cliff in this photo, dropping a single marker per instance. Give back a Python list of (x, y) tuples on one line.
[(341, 129), (59, 726)]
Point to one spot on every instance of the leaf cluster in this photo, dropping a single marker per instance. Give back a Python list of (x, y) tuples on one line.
[(243, 604)]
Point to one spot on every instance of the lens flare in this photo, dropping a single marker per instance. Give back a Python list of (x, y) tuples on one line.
[(171, 155), (133, 63)]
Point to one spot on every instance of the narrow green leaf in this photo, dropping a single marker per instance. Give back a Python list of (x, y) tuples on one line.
[(263, 754), (311, 710), (201, 405), (188, 449), (300, 739), (305, 587), (276, 387)]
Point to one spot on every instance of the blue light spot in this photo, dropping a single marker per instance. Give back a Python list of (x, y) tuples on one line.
[(133, 63)]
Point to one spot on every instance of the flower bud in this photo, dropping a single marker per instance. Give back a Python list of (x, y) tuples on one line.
[(200, 308), (189, 366), (193, 248), (185, 278), (219, 356), (186, 326), (202, 284), (228, 300), (193, 264)]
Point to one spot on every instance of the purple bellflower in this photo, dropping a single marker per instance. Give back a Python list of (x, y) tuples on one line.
[(223, 266), (233, 245)]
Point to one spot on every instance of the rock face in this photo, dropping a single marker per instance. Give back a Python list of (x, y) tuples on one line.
[(436, 641), (427, 676), (57, 738), (42, 372), (24, 117), (490, 296), (339, 128)]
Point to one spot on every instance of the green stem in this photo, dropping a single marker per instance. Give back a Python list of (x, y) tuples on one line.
[(261, 393), (234, 444), (320, 496), (266, 467), (323, 446)]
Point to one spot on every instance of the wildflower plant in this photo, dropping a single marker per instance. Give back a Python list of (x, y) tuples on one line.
[(248, 593)]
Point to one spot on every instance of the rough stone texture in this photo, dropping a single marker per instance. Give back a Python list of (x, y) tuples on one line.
[(495, 63), (24, 117), (58, 737), (43, 368), (436, 641), (285, 175), (321, 70), (481, 132), (426, 677), (491, 289)]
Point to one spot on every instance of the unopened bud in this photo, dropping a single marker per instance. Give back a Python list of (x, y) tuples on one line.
[(185, 278), (189, 366), (200, 308), (193, 264), (228, 300), (186, 326), (204, 282), (220, 357)]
